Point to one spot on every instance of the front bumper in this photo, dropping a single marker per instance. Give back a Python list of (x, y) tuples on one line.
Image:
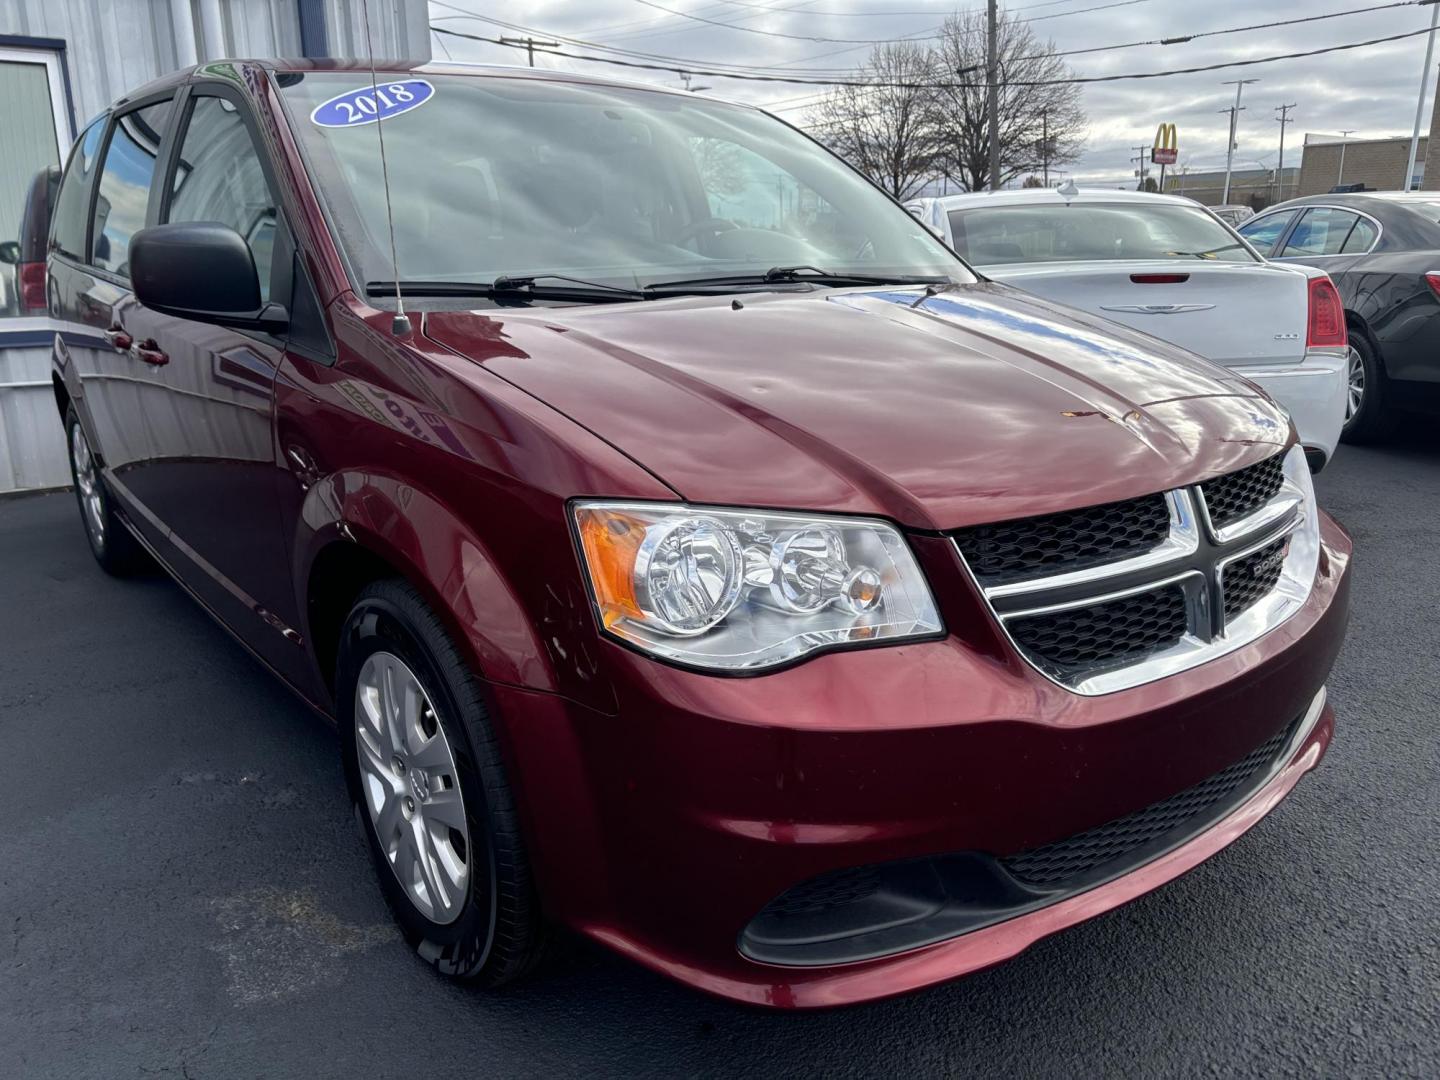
[(1313, 393), (665, 829)]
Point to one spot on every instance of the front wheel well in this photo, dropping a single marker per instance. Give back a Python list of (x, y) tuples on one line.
[(337, 576)]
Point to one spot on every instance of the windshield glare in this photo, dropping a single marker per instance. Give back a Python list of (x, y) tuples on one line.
[(1087, 232), (507, 176)]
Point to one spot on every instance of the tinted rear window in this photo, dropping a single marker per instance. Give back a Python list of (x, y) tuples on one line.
[(1089, 232)]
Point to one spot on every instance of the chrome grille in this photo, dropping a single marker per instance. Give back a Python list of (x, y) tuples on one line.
[(1237, 557), (1015, 550), (1081, 639), (1250, 577), (1236, 495)]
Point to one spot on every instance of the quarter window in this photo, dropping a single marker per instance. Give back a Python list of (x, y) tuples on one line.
[(1322, 231), (125, 184), (1361, 239), (72, 204), (219, 178), (1262, 232)]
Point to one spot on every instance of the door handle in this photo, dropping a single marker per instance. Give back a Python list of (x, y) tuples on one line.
[(118, 338), (150, 352)]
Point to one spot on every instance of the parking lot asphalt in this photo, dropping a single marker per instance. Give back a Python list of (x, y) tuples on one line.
[(183, 889)]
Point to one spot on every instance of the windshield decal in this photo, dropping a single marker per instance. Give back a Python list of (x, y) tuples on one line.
[(366, 104)]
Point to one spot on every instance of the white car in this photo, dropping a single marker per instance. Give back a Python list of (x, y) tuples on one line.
[(1168, 267)]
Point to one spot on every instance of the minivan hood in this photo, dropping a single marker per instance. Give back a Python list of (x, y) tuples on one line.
[(976, 404)]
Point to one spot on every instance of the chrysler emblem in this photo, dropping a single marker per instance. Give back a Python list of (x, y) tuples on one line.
[(1156, 309)]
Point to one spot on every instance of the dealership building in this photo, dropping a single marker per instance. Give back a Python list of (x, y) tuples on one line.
[(64, 61)]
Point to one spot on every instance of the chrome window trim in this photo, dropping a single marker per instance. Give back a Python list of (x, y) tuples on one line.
[(1379, 232), (1291, 513)]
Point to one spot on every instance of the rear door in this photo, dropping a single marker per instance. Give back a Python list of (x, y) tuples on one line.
[(1330, 238), (90, 285)]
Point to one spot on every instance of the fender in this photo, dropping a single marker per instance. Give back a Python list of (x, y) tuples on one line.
[(456, 571)]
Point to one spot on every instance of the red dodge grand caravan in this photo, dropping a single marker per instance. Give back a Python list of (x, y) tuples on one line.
[(689, 548)]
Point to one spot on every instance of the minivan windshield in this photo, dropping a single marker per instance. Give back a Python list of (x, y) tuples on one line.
[(502, 177), (1090, 232)]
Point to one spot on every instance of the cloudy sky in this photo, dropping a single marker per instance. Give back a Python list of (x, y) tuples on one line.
[(1371, 90)]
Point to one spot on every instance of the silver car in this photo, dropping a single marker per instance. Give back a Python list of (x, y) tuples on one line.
[(1169, 267)]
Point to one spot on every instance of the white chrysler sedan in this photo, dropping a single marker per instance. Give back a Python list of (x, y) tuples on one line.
[(1166, 266)]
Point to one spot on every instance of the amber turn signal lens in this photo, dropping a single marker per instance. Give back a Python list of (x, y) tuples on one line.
[(611, 541)]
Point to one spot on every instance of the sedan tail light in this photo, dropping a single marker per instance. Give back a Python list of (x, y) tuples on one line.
[(1159, 279), (1433, 280), (32, 286), (1327, 316)]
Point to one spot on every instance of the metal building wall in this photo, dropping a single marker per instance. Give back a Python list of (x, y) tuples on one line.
[(111, 47)]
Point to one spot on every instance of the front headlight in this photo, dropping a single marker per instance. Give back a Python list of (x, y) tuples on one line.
[(737, 590)]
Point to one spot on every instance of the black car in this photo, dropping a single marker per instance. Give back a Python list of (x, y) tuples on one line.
[(1382, 248)]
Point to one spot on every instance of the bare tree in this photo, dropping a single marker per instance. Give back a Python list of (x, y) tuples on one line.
[(1040, 126), (885, 130)]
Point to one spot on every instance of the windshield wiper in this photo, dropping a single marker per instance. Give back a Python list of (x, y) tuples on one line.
[(795, 275), (520, 285), (1209, 253)]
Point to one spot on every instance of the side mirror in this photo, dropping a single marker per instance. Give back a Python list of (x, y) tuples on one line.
[(10, 252), (204, 271)]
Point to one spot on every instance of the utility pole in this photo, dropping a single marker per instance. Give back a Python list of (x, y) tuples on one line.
[(1344, 138), (992, 75), (530, 45), (1045, 141), (1140, 170), (1420, 105), (1239, 85), (1282, 120)]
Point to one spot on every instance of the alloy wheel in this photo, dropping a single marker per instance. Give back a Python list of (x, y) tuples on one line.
[(87, 481), (1354, 384), (411, 788)]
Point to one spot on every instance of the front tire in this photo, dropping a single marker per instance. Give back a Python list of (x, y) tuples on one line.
[(430, 792), (1369, 416), (114, 548)]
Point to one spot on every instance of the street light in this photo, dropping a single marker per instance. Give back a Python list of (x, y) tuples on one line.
[(1340, 176), (1239, 85)]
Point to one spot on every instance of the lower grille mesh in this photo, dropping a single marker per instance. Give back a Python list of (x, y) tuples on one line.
[(1084, 639), (1084, 853), (831, 890)]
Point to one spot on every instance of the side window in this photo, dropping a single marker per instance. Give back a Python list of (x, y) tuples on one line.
[(1362, 238), (219, 178), (1262, 232), (1322, 231), (125, 177), (71, 218)]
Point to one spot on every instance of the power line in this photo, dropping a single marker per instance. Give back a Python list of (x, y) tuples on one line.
[(769, 33), (1071, 81), (585, 43), (1182, 39), (855, 44)]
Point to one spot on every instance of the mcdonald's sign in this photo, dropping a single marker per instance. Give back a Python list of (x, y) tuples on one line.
[(1166, 148)]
